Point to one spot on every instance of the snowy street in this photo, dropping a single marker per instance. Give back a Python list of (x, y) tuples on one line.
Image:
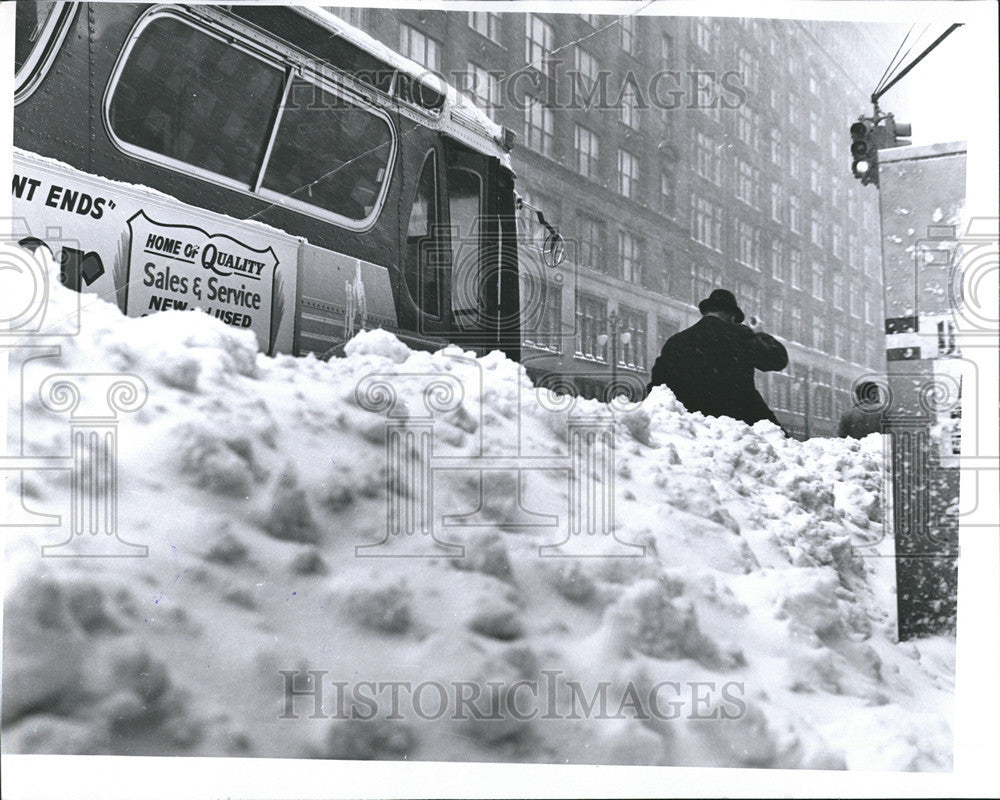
[(740, 611)]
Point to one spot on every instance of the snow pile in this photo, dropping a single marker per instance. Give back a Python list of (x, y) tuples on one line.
[(738, 613)]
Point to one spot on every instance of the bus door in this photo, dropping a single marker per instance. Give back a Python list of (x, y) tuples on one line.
[(483, 271)]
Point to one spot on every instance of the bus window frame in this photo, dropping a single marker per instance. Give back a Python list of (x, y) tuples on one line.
[(260, 190), (43, 54), (273, 57)]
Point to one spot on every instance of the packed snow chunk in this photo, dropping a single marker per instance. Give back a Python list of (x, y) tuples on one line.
[(377, 342), (637, 423), (44, 652), (289, 517), (573, 583), (649, 620), (216, 460), (744, 739), (144, 702), (227, 549), (384, 609), (496, 619), (207, 353), (89, 608), (46, 734), (811, 603), (623, 741), (368, 740), (489, 713), (309, 562), (485, 552)]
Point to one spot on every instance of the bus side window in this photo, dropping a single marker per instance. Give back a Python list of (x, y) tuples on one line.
[(194, 98), (329, 153), (38, 31), (424, 250)]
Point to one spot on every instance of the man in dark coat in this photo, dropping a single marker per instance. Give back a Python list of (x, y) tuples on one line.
[(865, 416), (710, 366)]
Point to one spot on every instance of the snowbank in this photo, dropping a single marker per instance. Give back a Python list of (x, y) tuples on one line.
[(740, 614)]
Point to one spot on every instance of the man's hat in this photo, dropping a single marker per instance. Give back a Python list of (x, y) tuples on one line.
[(721, 300)]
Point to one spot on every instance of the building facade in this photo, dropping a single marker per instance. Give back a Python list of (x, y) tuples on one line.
[(677, 155)]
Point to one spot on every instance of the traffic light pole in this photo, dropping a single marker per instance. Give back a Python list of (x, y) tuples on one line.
[(877, 94)]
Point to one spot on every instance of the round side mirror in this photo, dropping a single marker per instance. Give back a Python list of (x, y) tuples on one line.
[(553, 250)]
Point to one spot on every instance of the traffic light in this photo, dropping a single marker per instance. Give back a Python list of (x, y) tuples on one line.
[(864, 151), (890, 133)]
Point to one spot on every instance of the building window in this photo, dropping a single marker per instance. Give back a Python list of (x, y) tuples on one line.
[(748, 294), (419, 47), (591, 322), (836, 192), (796, 330), (628, 34), (542, 317), (777, 314), (748, 69), (666, 49), (538, 126), (587, 75), (747, 244), (628, 106), (668, 198), (746, 182), (815, 228), (703, 280), (587, 152), (537, 43), (748, 126), (793, 104), (813, 126), (817, 280), (868, 310), (838, 290), (794, 217), (837, 240), (776, 201), (707, 223), (487, 23), (707, 161), (777, 157), (853, 304), (777, 259), (838, 342), (704, 35), (795, 268), (815, 177), (633, 354), (658, 276), (871, 264), (628, 174), (813, 82), (591, 242), (590, 19), (482, 88), (793, 159), (629, 257)]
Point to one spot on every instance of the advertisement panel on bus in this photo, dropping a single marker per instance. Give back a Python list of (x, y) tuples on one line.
[(148, 252)]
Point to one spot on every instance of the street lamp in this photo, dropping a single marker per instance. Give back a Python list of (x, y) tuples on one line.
[(617, 336)]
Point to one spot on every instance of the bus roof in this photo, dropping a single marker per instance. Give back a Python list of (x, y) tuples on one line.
[(459, 117)]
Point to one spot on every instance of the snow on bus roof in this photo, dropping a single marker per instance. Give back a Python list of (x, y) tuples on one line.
[(453, 99)]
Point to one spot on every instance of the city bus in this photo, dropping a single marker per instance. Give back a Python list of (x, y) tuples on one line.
[(272, 166)]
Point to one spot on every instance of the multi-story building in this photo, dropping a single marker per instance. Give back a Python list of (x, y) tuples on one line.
[(678, 155)]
